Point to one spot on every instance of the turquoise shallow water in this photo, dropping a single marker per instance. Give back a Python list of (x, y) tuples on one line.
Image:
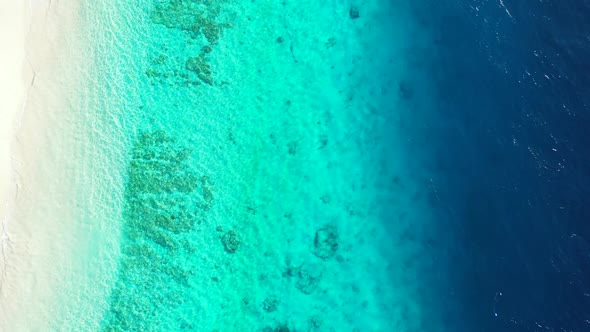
[(265, 181)]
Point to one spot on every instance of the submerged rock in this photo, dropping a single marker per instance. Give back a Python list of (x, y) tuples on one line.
[(207, 49), (211, 30), (270, 304), (231, 241), (291, 271), (331, 42), (326, 242), (354, 12), (292, 146), (405, 90), (199, 66), (307, 280), (307, 276), (314, 323), (281, 328)]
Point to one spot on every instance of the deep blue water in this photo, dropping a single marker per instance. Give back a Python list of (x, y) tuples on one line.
[(508, 140)]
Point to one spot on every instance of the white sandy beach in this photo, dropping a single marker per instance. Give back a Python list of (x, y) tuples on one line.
[(35, 243), (14, 78)]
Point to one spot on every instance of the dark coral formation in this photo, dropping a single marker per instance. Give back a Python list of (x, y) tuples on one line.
[(405, 90), (194, 17), (207, 49), (331, 42), (199, 20), (199, 66), (326, 242), (314, 324), (158, 216), (231, 241), (207, 194), (307, 277), (323, 141), (292, 148), (282, 327), (307, 280), (291, 271), (270, 304), (156, 171), (354, 12)]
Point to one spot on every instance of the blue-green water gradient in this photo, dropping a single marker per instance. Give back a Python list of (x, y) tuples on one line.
[(266, 185)]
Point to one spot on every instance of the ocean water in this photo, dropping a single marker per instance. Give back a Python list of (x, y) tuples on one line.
[(327, 166), (508, 149)]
